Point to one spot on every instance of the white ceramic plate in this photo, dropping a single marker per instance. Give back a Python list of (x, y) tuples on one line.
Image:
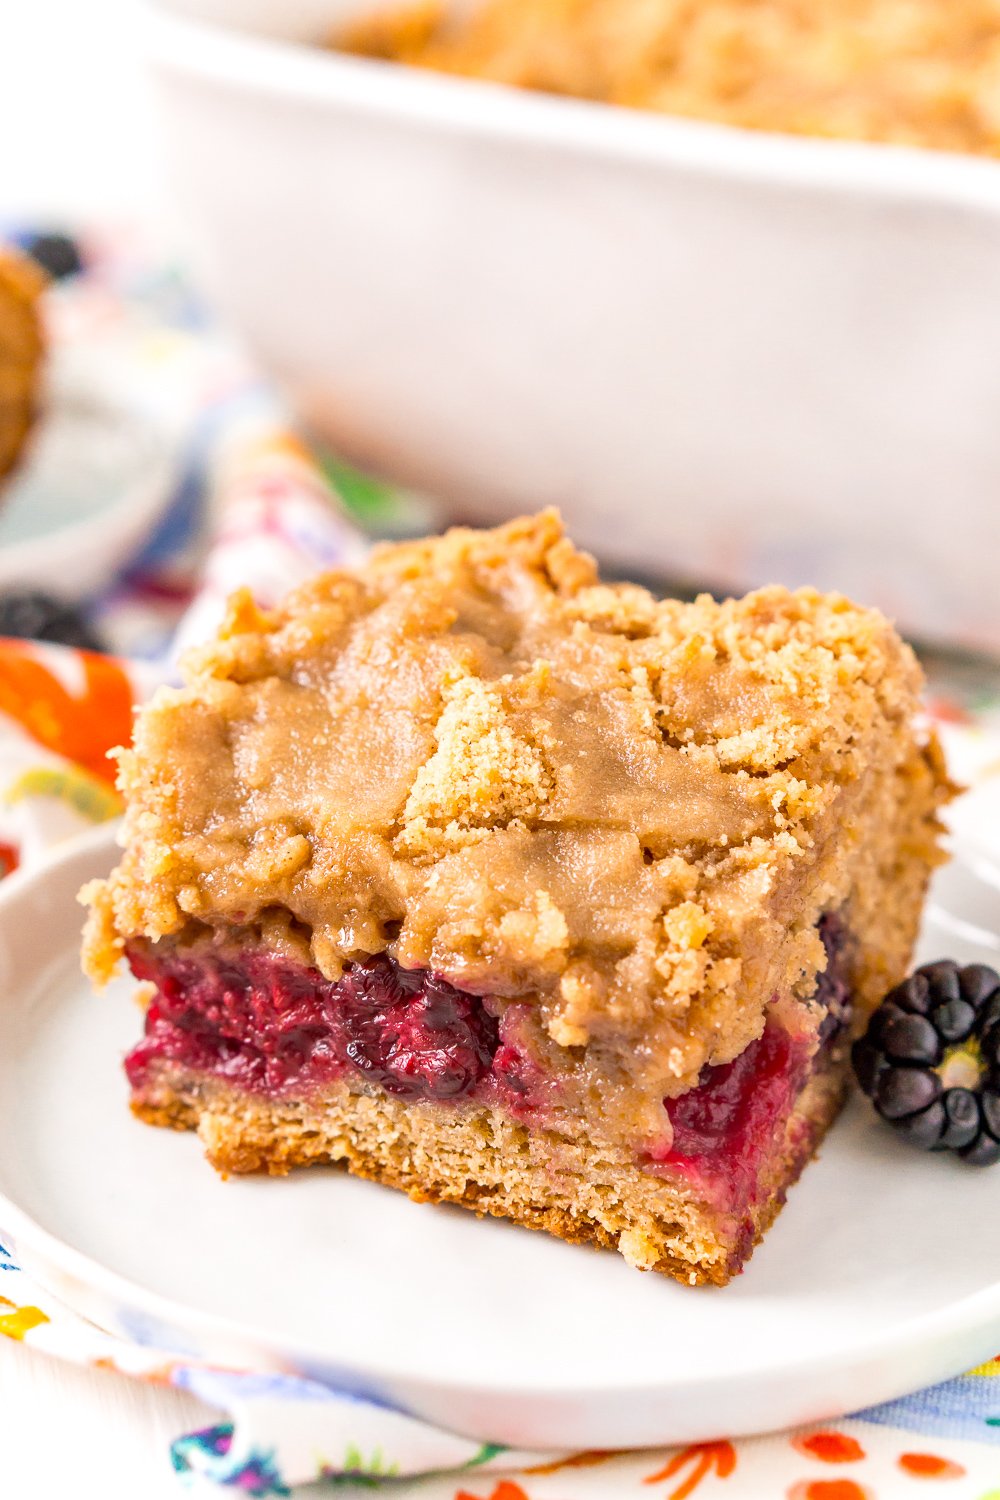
[(881, 1274)]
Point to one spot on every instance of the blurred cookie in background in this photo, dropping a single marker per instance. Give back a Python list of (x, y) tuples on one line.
[(22, 347)]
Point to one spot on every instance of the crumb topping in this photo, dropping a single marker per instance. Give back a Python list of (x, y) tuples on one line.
[(475, 755), (484, 773), (910, 72)]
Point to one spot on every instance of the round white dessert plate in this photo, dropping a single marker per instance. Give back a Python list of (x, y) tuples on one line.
[(95, 481), (880, 1275)]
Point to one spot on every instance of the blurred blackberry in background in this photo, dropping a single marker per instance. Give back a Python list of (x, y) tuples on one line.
[(32, 615), (55, 253)]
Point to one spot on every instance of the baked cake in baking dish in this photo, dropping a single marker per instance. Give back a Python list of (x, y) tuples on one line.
[(921, 73), (518, 890)]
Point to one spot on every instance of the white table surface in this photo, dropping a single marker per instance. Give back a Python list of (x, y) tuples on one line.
[(77, 140)]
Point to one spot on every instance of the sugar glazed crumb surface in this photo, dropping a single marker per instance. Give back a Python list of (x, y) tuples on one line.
[(909, 72), (474, 755)]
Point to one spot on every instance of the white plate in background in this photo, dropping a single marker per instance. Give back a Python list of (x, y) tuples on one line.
[(88, 492)]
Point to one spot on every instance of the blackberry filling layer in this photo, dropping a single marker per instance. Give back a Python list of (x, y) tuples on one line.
[(833, 990), (724, 1130), (275, 1028)]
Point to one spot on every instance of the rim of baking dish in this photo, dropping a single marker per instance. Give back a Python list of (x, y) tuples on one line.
[(309, 74)]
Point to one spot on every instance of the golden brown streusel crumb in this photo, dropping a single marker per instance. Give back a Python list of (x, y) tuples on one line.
[(482, 775), (908, 72), (626, 813)]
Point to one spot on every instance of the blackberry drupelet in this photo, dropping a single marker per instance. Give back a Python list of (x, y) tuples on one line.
[(930, 1060)]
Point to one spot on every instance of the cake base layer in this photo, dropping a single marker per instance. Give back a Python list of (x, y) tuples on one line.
[(481, 1159)]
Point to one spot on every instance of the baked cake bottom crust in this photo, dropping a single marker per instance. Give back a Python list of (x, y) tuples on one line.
[(481, 1158)]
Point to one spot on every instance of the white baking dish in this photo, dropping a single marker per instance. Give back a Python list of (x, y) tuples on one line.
[(725, 355)]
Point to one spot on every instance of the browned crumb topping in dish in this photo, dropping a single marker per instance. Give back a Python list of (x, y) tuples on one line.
[(477, 758), (909, 72)]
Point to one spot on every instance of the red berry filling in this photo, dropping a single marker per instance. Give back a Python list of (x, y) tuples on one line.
[(271, 1026), (725, 1129)]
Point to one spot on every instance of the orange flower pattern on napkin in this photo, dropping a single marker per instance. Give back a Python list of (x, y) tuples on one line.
[(81, 726)]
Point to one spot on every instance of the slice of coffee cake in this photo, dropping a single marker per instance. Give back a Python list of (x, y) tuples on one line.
[(514, 889)]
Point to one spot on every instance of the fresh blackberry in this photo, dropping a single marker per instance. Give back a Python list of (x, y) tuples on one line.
[(31, 615), (930, 1060)]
